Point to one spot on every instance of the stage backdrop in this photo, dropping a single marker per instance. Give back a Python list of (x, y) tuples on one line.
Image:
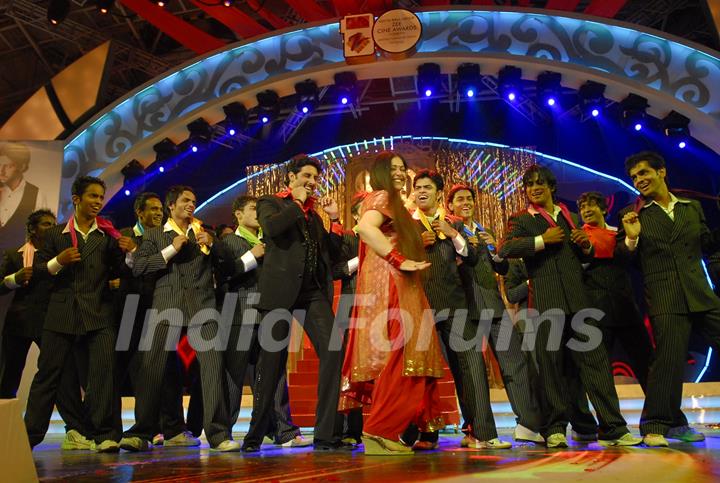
[(30, 175)]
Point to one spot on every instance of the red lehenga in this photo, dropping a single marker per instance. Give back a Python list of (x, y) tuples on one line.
[(393, 357)]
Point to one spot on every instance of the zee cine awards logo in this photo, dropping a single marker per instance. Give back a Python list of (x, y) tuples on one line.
[(395, 33)]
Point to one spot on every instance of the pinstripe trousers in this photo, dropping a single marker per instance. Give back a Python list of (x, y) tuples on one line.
[(470, 375), (663, 398), (152, 370), (514, 367), (55, 349), (595, 375)]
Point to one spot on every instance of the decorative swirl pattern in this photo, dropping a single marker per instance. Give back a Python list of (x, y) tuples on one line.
[(650, 61)]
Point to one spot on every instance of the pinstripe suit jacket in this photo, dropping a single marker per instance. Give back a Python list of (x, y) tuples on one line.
[(669, 254), (26, 314), (185, 282), (443, 285), (235, 276), (556, 274), (481, 285), (80, 298), (282, 222), (516, 288)]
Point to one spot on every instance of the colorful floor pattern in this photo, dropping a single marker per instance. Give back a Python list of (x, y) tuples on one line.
[(697, 462)]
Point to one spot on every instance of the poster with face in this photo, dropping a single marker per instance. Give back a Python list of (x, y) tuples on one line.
[(30, 174)]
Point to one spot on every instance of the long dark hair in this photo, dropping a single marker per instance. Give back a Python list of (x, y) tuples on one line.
[(409, 241)]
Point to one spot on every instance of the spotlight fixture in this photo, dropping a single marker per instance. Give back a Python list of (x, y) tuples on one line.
[(57, 11), (468, 80), (134, 177), (677, 128), (592, 98), (228, 3), (268, 105), (345, 87), (161, 3), (307, 94), (509, 79), (428, 79), (200, 134), (165, 149), (104, 6), (633, 109), (548, 88), (236, 118)]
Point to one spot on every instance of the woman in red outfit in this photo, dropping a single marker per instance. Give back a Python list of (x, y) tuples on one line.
[(393, 356)]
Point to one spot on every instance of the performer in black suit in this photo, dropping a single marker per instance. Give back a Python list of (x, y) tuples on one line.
[(488, 309), (667, 237), (446, 247), (241, 263), (546, 237), (297, 275), (149, 214), (24, 324), (81, 257), (180, 255)]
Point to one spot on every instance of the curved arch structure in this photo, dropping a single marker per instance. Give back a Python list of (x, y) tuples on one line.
[(670, 73)]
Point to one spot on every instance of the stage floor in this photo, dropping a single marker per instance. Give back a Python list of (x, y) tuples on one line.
[(696, 462)]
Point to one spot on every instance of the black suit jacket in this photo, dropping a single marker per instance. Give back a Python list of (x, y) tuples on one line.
[(556, 273), (80, 298), (235, 276), (480, 283), (281, 279), (185, 282), (443, 285), (349, 250), (669, 254), (516, 287), (26, 314)]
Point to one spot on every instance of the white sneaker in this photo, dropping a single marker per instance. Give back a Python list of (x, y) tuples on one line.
[(557, 440), (185, 439), (626, 439), (298, 441), (134, 444), (494, 443), (75, 441), (522, 433), (107, 446), (226, 446)]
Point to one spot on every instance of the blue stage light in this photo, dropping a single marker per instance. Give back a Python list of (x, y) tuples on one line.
[(343, 100), (511, 96), (428, 92), (127, 192), (638, 126), (161, 169), (305, 109), (265, 119), (194, 149), (231, 132), (551, 101), (682, 144), (470, 93), (595, 112)]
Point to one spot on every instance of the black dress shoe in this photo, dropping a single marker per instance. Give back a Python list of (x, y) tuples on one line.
[(250, 448), (332, 446)]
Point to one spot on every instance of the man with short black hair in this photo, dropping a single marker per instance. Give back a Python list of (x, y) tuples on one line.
[(667, 236), (297, 276), (553, 248), (81, 257), (487, 309), (179, 254), (447, 247)]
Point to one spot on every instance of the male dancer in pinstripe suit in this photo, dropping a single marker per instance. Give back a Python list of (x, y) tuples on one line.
[(180, 255), (149, 213), (546, 237), (241, 262), (81, 257), (446, 246), (667, 236), (487, 307)]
